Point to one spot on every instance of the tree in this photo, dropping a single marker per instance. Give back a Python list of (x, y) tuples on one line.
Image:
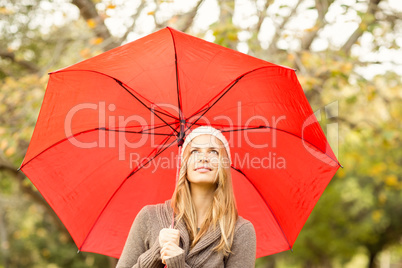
[(40, 36)]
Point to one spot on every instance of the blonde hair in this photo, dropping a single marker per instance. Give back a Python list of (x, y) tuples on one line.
[(223, 211)]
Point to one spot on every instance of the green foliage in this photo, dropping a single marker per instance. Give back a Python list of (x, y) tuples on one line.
[(33, 240)]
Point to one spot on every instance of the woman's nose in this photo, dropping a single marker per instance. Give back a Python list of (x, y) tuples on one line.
[(202, 157)]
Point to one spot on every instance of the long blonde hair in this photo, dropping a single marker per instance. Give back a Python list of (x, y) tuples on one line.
[(223, 211)]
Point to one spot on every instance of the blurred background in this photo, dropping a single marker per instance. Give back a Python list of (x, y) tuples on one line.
[(348, 58)]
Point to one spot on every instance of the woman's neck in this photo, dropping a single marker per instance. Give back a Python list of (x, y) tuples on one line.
[(202, 199)]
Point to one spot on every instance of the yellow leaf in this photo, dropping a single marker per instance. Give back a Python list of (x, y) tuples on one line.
[(378, 168), (85, 53), (10, 151), (312, 29), (5, 11), (376, 215), (91, 23), (371, 96), (346, 68), (3, 144), (291, 57), (391, 180), (111, 6), (341, 173), (151, 13), (96, 41), (232, 36)]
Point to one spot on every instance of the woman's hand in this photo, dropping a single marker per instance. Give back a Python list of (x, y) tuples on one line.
[(170, 250), (169, 235)]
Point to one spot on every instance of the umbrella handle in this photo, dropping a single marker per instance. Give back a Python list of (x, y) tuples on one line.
[(177, 179)]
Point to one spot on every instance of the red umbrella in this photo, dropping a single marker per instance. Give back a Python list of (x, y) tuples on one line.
[(105, 143)]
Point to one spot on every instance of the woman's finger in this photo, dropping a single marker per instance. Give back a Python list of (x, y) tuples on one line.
[(166, 235), (165, 247)]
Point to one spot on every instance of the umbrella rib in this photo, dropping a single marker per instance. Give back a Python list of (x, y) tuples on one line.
[(118, 188), (90, 130), (235, 82), (266, 203), (200, 111), (151, 110), (287, 132), (206, 109), (168, 115), (156, 127), (177, 77), (60, 71), (156, 154)]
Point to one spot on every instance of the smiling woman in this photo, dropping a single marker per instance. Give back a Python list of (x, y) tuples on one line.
[(208, 231), (203, 162)]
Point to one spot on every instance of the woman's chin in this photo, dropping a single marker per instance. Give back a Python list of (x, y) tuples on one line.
[(203, 182)]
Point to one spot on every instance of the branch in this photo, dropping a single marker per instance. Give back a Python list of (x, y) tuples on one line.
[(134, 17), (262, 15), (254, 44), (88, 12), (58, 51), (299, 65), (181, 22), (366, 21), (31, 67), (272, 49), (157, 24), (187, 19), (322, 9)]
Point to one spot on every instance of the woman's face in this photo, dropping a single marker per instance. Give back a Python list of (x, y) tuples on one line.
[(203, 163)]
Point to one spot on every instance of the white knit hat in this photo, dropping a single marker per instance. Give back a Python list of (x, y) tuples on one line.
[(206, 130)]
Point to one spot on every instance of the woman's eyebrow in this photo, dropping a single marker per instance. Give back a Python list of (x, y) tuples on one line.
[(211, 148)]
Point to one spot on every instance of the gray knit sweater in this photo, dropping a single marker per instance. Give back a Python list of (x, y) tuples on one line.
[(142, 248)]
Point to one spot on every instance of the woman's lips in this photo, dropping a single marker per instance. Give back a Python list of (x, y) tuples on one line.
[(203, 169)]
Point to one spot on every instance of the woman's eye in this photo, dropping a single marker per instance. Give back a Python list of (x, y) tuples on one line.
[(193, 151), (215, 151)]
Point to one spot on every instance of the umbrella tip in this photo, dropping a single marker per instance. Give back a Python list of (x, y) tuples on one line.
[(78, 251), (291, 249)]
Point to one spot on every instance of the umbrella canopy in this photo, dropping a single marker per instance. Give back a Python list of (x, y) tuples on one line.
[(105, 143)]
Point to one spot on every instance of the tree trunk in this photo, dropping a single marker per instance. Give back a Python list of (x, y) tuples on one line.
[(372, 260)]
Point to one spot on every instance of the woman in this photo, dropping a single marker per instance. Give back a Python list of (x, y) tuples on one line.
[(208, 231)]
